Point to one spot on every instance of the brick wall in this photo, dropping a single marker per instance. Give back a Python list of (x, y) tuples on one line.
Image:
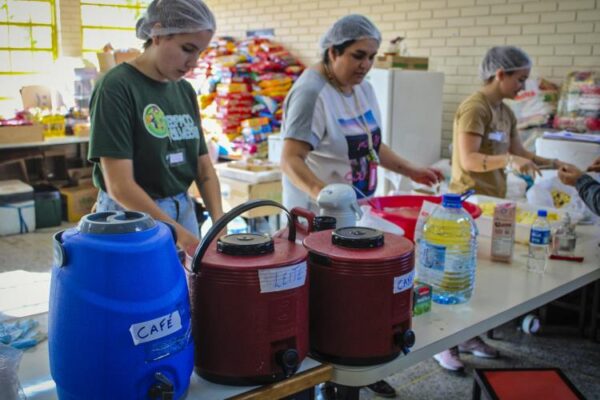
[(559, 35), (68, 19)]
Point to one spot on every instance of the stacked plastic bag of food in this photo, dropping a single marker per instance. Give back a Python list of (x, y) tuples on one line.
[(579, 103), (243, 85), (535, 106)]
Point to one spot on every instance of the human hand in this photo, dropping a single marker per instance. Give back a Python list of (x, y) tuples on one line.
[(186, 240), (557, 164), (595, 167), (525, 166), (426, 176), (569, 174)]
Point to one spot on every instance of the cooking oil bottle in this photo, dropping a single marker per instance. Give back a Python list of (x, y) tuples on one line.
[(448, 252)]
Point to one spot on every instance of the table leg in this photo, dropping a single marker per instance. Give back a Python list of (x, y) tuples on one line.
[(595, 306), (348, 392), (476, 390), (582, 310)]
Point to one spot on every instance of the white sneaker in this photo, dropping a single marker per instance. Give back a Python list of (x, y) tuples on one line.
[(449, 359), (478, 348)]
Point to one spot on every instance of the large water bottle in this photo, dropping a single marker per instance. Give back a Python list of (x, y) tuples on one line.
[(448, 252), (539, 242)]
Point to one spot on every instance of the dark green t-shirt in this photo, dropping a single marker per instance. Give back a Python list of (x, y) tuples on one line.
[(154, 124)]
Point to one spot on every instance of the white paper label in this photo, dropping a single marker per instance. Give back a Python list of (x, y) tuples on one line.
[(176, 158), (155, 328), (404, 282), (285, 278), (498, 136)]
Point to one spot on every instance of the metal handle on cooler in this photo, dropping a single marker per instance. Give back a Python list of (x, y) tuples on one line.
[(228, 217), (306, 214), (59, 254)]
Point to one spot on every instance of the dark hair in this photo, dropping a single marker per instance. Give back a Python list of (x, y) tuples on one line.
[(337, 49), (491, 78), (148, 41)]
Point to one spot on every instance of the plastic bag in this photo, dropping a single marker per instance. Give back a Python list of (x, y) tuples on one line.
[(370, 220), (21, 334), (579, 103), (536, 104), (9, 379), (551, 192)]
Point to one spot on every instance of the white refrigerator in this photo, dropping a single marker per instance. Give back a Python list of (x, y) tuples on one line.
[(411, 112)]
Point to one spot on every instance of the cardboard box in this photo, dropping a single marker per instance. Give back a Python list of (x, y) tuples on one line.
[(77, 201), (237, 192), (80, 176), (21, 134), (36, 96), (108, 59), (415, 63)]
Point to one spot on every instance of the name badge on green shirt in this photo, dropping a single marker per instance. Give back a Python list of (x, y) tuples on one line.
[(176, 158)]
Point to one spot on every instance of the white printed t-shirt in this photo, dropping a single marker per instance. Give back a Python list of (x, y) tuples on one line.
[(317, 113)]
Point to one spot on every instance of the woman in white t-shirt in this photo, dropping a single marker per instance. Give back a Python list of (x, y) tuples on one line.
[(331, 126), (331, 121)]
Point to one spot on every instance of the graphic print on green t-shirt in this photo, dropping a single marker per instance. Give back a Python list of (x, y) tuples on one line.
[(155, 122), (176, 127)]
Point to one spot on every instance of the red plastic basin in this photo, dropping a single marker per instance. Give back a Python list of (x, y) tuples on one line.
[(407, 210)]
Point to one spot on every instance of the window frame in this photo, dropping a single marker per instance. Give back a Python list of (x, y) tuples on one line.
[(53, 40), (138, 5)]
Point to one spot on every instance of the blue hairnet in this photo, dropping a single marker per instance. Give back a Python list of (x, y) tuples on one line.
[(175, 16), (350, 27), (508, 58)]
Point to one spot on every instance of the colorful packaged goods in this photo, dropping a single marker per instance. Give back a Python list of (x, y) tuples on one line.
[(579, 103), (242, 81), (536, 104)]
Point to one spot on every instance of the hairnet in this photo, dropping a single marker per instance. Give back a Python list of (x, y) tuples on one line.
[(350, 27), (508, 58), (175, 16)]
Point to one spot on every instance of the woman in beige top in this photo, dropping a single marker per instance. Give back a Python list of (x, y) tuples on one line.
[(485, 144), (485, 138)]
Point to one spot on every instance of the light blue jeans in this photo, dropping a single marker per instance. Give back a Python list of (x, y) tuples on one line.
[(179, 207)]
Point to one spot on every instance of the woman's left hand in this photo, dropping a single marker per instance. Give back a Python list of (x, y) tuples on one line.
[(427, 175)]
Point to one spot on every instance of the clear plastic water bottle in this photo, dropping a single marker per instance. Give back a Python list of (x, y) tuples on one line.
[(447, 252), (539, 243)]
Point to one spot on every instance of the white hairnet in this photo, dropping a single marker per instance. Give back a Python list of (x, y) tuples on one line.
[(175, 16), (508, 58), (350, 27)]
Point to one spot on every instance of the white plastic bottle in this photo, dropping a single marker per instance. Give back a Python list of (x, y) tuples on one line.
[(539, 243), (448, 252)]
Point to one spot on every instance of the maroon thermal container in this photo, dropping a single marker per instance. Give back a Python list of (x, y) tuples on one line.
[(360, 295), (249, 297)]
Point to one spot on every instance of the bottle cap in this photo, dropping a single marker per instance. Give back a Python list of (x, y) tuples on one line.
[(542, 213), (451, 200), (323, 222)]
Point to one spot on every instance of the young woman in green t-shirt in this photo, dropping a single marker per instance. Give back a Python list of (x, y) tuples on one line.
[(146, 141)]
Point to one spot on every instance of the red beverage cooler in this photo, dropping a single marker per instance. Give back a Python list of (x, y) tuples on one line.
[(249, 298), (360, 295)]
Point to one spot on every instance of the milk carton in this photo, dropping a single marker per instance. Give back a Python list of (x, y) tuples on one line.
[(503, 232)]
